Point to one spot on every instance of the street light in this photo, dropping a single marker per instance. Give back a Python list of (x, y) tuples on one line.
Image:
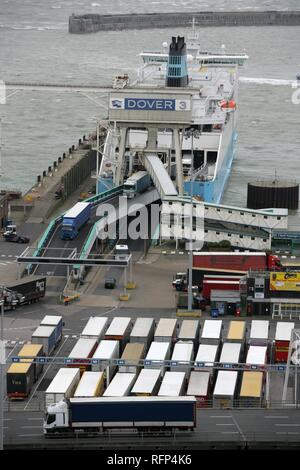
[(191, 133)]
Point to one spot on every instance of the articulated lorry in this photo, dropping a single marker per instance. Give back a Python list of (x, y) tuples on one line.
[(26, 291), (136, 183), (74, 219), (98, 414)]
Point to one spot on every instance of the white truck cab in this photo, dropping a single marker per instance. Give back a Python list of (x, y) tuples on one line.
[(56, 417)]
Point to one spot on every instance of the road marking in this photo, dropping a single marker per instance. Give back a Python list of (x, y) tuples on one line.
[(229, 432), (29, 435), (3, 264), (220, 417), (239, 429), (287, 424), (225, 424), (278, 417), (43, 375), (35, 419), (7, 419), (30, 427), (285, 433)]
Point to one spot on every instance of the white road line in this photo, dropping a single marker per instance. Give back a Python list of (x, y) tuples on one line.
[(35, 419), (225, 424), (229, 432), (287, 424), (29, 435), (239, 429), (273, 417), (30, 427), (285, 433), (7, 419), (220, 417), (3, 264), (44, 374)]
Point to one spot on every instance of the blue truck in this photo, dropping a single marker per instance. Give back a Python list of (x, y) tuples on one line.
[(74, 219), (100, 413), (136, 183)]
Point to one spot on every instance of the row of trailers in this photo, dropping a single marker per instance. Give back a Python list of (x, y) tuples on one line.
[(115, 355)]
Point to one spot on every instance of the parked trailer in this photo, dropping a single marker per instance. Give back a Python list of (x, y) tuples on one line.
[(256, 356), (183, 354), (283, 336), (147, 383), (19, 380), (199, 386), (105, 352), (95, 328), (30, 289), (225, 389), (97, 414), (119, 329), (206, 356), (83, 349), (172, 384), (33, 350), (259, 333), (189, 331), (91, 385), (143, 331), (158, 352), (136, 183), (165, 330), (74, 219), (62, 386), (251, 394), (120, 385), (211, 332), (230, 354), (236, 332), (133, 353), (45, 335), (57, 322)]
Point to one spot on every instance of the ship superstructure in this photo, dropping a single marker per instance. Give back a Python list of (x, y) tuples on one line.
[(181, 108)]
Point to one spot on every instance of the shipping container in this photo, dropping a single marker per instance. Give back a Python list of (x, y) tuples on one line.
[(236, 332), (19, 380), (183, 355), (199, 386), (119, 329), (62, 386), (259, 333), (95, 328), (230, 354), (251, 393), (143, 331), (133, 353), (165, 330), (45, 335), (206, 356), (83, 349), (211, 332), (74, 219), (105, 352), (189, 331), (57, 322), (147, 383), (225, 389), (33, 350), (121, 385), (173, 385), (91, 385), (157, 354), (283, 336), (256, 355)]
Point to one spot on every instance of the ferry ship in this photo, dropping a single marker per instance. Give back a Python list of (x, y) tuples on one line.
[(182, 107)]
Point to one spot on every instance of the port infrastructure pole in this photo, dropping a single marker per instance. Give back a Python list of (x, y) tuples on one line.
[(2, 360)]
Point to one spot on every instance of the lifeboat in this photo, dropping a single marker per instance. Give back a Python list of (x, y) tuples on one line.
[(228, 105)]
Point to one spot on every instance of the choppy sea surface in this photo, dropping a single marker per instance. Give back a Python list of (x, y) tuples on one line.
[(37, 127)]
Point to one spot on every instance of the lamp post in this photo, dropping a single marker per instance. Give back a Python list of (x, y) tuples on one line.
[(2, 361)]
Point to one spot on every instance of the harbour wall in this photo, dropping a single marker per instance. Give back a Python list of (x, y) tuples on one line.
[(91, 23)]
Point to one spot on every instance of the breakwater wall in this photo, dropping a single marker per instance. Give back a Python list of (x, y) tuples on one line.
[(91, 23)]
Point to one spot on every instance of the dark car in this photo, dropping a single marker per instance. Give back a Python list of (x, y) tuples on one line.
[(16, 239), (110, 283)]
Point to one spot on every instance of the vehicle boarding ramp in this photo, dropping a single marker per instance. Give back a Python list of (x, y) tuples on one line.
[(160, 176)]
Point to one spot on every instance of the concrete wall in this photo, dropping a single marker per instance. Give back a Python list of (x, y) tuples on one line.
[(91, 23)]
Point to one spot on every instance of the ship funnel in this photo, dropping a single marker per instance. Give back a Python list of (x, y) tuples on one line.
[(177, 75)]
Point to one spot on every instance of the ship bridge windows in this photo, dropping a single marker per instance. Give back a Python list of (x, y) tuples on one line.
[(211, 157)]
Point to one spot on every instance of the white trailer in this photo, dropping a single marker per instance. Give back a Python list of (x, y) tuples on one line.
[(83, 349), (90, 385), (172, 384), (105, 351), (284, 331), (119, 329), (57, 322), (120, 385), (259, 333), (230, 354), (143, 331), (256, 355), (147, 383), (133, 353), (182, 356), (189, 331), (206, 356), (158, 352), (45, 335), (199, 386), (95, 328), (62, 386), (225, 389), (211, 332), (166, 330)]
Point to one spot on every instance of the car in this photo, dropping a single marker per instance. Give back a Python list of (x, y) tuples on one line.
[(110, 283), (14, 238)]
